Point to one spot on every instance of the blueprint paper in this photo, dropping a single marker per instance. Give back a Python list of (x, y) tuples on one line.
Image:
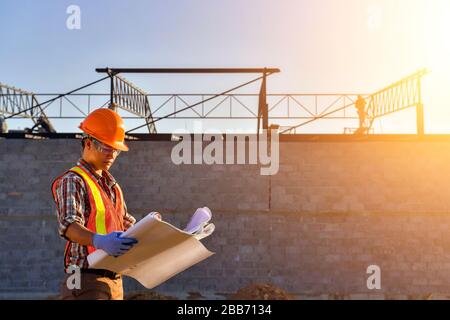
[(162, 252)]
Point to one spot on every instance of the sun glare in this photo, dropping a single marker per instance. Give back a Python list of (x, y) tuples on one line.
[(437, 35)]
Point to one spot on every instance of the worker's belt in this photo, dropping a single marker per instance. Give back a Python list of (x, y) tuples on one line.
[(103, 273)]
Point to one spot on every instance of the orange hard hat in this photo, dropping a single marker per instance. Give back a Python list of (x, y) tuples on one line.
[(105, 125)]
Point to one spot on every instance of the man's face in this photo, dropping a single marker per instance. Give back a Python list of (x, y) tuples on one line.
[(100, 155)]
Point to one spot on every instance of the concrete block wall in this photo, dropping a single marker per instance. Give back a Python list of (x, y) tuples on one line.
[(333, 209), (387, 176)]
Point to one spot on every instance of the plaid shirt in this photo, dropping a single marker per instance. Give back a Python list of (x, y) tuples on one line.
[(72, 205)]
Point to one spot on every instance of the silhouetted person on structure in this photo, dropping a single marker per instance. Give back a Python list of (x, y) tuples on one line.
[(360, 105)]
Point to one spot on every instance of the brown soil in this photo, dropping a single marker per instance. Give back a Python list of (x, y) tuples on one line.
[(261, 291), (148, 296)]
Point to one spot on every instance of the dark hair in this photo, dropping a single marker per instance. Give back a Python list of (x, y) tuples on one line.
[(83, 142)]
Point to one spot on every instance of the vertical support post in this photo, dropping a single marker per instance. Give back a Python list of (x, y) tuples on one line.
[(32, 108), (420, 126), (111, 93), (419, 110), (111, 103), (263, 110)]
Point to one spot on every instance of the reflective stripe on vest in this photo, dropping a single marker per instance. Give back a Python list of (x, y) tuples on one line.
[(100, 219)]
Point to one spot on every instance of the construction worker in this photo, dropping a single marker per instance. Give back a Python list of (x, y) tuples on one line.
[(360, 105), (91, 210)]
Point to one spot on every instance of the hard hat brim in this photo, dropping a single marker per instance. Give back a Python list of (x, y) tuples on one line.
[(116, 145), (119, 146)]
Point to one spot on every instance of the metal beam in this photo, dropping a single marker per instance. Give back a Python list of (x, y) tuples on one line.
[(187, 70)]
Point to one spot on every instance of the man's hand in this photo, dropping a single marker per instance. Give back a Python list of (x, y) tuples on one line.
[(113, 244)]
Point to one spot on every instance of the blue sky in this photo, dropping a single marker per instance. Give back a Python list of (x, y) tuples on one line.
[(320, 45)]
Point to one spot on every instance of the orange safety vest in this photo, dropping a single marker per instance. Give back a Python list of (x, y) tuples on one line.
[(105, 217)]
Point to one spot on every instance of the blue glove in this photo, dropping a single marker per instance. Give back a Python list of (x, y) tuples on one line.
[(112, 243)]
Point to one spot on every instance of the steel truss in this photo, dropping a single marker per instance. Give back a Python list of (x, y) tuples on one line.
[(401, 95), (282, 106), (23, 103), (128, 97)]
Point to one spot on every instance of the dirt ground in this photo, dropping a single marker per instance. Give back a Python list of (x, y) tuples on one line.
[(148, 296), (261, 291), (257, 291)]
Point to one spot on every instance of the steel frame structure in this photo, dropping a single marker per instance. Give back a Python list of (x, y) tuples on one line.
[(262, 107), (403, 94), (127, 96), (230, 104), (400, 95), (13, 100), (25, 104)]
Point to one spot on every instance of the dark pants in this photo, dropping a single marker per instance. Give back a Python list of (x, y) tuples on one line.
[(94, 287)]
